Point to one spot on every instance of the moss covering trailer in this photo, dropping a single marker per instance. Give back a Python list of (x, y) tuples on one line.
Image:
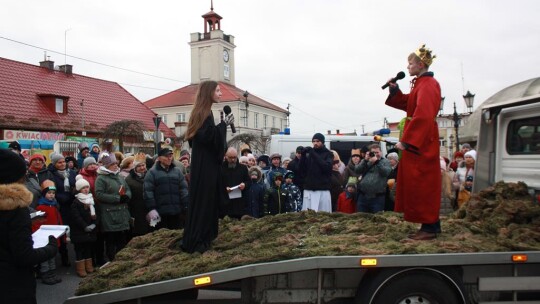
[(502, 277)]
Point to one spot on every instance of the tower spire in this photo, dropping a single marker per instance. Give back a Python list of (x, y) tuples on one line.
[(211, 5)]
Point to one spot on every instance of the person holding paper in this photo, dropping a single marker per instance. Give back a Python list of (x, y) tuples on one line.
[(236, 180), (18, 255)]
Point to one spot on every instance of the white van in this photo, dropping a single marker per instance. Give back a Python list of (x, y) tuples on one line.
[(342, 144)]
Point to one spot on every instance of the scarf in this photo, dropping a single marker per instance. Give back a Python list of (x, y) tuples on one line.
[(44, 201), (87, 199), (65, 175), (105, 170)]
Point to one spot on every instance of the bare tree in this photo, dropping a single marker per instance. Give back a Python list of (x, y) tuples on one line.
[(125, 129), (254, 141)]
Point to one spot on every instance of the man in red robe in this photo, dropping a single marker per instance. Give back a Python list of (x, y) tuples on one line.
[(418, 193)]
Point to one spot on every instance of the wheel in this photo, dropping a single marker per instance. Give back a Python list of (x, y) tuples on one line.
[(408, 287)]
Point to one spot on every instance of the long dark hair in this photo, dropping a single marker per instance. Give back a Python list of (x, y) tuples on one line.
[(202, 107)]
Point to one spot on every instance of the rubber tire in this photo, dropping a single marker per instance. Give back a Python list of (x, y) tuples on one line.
[(430, 285)]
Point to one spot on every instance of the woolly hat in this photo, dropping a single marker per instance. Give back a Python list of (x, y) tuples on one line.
[(275, 155), (12, 167), (94, 145), (71, 159), (263, 158), (458, 154), (47, 185), (83, 145), (352, 181), (184, 157), (15, 146), (466, 146), (108, 159), (81, 183), (289, 174), (34, 157), (472, 154), (56, 157), (140, 158), (127, 162), (285, 159), (255, 171), (319, 137), (89, 160), (469, 178), (299, 149)]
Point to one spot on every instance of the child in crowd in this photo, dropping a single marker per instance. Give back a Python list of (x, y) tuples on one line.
[(49, 205), (464, 194), (255, 193), (346, 202), (83, 227), (295, 195), (276, 199)]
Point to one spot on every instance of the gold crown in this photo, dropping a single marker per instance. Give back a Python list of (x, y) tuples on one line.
[(425, 54)]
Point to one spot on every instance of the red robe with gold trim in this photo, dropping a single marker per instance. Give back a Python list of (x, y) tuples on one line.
[(418, 192)]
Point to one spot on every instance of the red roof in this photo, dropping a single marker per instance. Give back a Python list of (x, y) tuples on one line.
[(21, 106), (186, 96)]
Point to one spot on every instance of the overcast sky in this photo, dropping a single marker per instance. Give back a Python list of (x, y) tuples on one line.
[(326, 58)]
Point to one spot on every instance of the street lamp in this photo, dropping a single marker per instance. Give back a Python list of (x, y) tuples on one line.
[(157, 121), (246, 94), (441, 108), (457, 119), (469, 100)]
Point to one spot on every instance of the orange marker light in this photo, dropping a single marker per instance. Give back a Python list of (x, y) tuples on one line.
[(368, 262), (202, 281), (519, 258)]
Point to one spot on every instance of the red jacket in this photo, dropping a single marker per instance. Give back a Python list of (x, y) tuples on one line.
[(418, 192), (346, 205)]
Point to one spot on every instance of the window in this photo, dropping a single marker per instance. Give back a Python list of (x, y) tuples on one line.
[(256, 120), (59, 105), (523, 136), (243, 117), (265, 121), (181, 117), (273, 122), (163, 118)]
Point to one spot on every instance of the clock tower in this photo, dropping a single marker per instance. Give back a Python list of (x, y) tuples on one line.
[(212, 52)]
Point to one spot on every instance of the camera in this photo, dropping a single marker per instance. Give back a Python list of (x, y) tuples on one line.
[(371, 154)]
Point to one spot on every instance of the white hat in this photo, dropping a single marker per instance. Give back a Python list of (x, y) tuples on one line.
[(81, 182), (471, 153)]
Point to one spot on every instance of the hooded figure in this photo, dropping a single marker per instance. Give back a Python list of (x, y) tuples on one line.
[(255, 193)]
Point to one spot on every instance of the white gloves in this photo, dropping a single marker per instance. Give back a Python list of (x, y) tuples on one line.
[(229, 119), (153, 217)]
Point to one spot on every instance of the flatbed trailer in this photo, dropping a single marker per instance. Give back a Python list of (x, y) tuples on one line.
[(495, 277)]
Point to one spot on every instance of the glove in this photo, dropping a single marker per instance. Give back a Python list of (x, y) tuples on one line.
[(152, 215), (306, 150), (90, 227), (229, 119), (124, 199)]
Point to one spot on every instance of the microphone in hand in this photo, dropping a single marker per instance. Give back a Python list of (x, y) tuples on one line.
[(229, 118), (399, 76)]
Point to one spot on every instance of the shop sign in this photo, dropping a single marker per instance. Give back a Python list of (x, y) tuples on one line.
[(32, 135)]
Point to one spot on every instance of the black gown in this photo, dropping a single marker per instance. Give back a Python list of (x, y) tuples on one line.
[(205, 190)]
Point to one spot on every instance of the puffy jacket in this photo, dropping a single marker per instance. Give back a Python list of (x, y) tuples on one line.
[(113, 214), (165, 190)]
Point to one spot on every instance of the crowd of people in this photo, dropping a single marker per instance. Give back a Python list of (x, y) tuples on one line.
[(106, 197)]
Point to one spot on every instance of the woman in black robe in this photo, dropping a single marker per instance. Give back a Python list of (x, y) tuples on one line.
[(208, 143)]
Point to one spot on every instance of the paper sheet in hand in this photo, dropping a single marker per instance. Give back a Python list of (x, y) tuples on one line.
[(41, 236), (235, 193)]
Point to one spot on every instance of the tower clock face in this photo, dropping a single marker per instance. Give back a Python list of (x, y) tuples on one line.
[(225, 56)]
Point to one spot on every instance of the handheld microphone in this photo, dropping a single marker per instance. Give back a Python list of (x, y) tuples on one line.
[(399, 76), (380, 138), (227, 111)]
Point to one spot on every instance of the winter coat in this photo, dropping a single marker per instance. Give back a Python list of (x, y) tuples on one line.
[(316, 166), (272, 171), (295, 196), (277, 201), (336, 188), (80, 219), (137, 208), (374, 177), (349, 172), (64, 197), (166, 191), (33, 183), (113, 214), (299, 178), (52, 217), (346, 202), (255, 194), (17, 255), (233, 177)]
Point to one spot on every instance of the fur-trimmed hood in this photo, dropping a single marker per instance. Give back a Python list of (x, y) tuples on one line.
[(13, 196), (256, 169)]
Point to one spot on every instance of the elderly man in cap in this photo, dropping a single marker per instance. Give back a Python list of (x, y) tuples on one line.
[(165, 192), (316, 166)]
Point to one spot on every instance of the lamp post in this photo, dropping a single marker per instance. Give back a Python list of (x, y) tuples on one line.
[(157, 121), (456, 117), (469, 100), (457, 120), (246, 94)]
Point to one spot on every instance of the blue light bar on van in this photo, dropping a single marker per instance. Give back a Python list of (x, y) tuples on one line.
[(381, 132)]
